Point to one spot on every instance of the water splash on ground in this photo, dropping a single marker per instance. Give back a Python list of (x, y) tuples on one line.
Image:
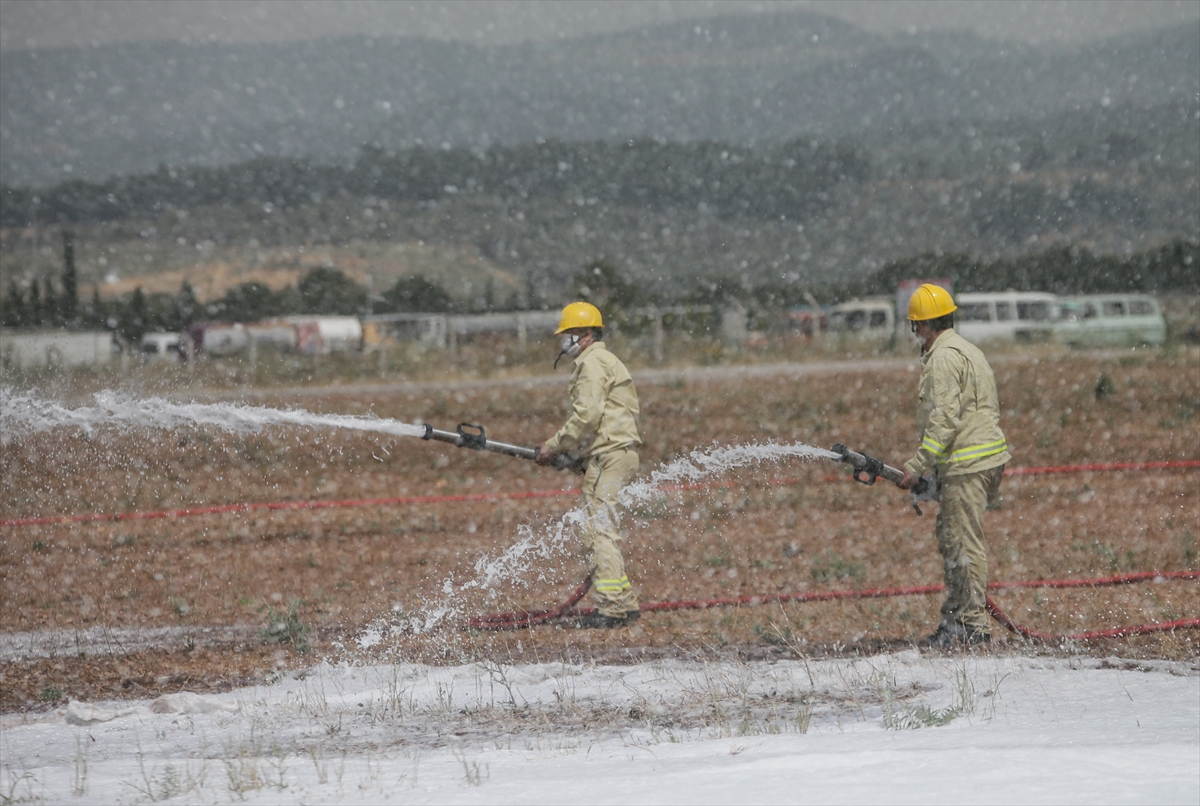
[(536, 553), (22, 414)]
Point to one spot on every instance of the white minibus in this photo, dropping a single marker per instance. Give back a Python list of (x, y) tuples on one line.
[(1110, 320), (871, 318), (1009, 315)]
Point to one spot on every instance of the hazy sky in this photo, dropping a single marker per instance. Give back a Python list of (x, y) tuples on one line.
[(51, 23)]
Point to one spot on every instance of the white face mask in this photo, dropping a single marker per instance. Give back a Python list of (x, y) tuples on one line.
[(570, 344)]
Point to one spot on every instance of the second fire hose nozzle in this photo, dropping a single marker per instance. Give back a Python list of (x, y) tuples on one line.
[(868, 468)]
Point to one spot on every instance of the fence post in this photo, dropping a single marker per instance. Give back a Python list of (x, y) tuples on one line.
[(659, 336)]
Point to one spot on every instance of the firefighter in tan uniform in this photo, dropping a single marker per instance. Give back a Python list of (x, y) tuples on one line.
[(962, 444), (602, 430)]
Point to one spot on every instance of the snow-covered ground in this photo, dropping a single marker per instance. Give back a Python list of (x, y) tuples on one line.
[(900, 728)]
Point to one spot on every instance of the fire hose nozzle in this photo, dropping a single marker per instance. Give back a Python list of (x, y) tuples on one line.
[(476, 440), (868, 468), (473, 436)]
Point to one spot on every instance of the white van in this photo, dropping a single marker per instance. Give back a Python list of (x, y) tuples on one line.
[(326, 334), (1110, 320), (160, 346), (871, 318), (221, 339), (1006, 315)]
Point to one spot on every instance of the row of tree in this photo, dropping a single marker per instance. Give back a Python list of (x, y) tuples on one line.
[(328, 291), (44, 303), (322, 291)]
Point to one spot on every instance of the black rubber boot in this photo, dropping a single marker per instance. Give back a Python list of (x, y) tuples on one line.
[(593, 621), (955, 636)]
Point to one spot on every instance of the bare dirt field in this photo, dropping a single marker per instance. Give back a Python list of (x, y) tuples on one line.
[(203, 591)]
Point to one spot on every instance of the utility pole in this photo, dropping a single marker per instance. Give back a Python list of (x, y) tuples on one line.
[(33, 203), (69, 304)]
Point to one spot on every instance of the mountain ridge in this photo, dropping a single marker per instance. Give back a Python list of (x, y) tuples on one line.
[(125, 109)]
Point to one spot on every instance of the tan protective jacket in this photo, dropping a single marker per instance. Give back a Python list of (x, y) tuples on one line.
[(604, 406), (959, 411)]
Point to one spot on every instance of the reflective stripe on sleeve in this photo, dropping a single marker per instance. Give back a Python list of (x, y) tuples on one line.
[(979, 451), (933, 446)]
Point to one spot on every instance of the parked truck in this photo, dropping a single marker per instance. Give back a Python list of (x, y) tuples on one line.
[(62, 348)]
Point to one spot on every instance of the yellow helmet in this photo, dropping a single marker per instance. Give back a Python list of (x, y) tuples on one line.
[(579, 314), (930, 302)]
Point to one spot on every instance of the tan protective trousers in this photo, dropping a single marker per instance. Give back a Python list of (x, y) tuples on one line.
[(600, 535), (959, 530)]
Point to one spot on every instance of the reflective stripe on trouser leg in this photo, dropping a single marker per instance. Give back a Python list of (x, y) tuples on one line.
[(964, 499), (600, 534)]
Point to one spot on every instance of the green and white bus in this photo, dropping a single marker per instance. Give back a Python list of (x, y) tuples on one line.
[(1110, 320)]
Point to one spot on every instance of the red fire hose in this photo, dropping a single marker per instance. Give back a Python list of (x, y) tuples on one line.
[(521, 618), (528, 618), (275, 506)]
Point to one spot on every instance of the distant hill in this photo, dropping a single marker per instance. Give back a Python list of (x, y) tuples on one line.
[(673, 217), (91, 113), (789, 152)]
